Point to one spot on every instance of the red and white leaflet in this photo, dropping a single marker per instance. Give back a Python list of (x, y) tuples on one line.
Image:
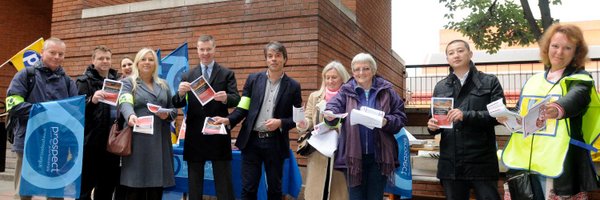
[(202, 90), (145, 125), (156, 108), (440, 106), (112, 90), (211, 128)]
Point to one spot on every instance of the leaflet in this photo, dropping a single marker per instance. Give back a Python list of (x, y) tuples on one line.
[(202, 90), (498, 109), (533, 122), (330, 114), (325, 143), (144, 125), (298, 114), (112, 90), (212, 128), (157, 109), (440, 106), (320, 129), (368, 117)]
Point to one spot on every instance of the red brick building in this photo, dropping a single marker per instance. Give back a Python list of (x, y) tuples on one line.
[(314, 31)]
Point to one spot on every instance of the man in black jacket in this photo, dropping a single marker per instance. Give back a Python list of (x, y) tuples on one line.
[(266, 108), (100, 170), (199, 147), (468, 150)]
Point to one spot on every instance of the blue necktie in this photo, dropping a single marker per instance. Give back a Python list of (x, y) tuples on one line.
[(206, 74)]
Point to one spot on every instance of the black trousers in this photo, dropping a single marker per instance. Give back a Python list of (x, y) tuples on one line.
[(460, 189), (100, 172), (258, 152), (222, 176)]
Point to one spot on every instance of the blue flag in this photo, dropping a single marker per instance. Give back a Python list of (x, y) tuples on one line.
[(172, 66), (53, 152), (403, 174)]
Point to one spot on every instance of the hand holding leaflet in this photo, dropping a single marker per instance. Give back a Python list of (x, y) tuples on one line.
[(112, 90), (368, 117), (202, 90), (533, 120), (212, 128), (440, 106), (498, 109), (298, 114), (145, 125)]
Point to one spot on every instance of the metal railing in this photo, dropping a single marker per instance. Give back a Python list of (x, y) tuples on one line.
[(421, 80)]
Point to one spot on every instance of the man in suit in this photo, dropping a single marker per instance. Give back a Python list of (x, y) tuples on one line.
[(266, 105), (200, 147)]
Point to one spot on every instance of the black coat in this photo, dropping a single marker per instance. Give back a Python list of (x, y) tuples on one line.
[(468, 151), (198, 147), (97, 116), (289, 95)]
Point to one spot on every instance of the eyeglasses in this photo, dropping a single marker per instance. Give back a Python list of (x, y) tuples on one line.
[(127, 64), (362, 69)]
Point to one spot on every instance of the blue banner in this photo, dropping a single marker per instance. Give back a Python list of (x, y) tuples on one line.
[(53, 150), (172, 66), (403, 175)]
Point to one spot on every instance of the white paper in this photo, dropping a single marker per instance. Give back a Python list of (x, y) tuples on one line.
[(330, 114), (368, 119), (531, 122), (320, 129), (498, 109), (144, 125), (325, 143), (211, 128), (298, 114), (321, 105), (112, 90), (153, 108)]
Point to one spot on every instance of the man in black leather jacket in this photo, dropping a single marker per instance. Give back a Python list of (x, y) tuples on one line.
[(467, 150), (100, 171)]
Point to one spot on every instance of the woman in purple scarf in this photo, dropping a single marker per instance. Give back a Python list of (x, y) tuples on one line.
[(367, 155)]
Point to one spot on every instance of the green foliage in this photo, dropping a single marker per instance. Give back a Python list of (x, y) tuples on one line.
[(489, 23)]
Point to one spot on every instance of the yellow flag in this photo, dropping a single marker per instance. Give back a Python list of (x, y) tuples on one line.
[(28, 56)]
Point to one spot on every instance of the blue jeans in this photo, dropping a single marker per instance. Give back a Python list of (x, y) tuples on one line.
[(373, 181)]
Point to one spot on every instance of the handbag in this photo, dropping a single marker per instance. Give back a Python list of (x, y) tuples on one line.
[(304, 148), (523, 185), (119, 140)]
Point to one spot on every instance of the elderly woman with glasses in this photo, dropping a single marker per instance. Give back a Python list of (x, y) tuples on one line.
[(367, 155)]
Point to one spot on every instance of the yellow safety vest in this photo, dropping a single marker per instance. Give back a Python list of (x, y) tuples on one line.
[(550, 144)]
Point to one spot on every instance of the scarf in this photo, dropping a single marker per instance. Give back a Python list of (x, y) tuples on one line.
[(330, 94)]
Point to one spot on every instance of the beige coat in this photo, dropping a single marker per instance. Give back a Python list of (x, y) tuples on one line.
[(317, 167)]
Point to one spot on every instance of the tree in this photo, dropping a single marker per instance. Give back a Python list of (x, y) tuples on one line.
[(491, 23)]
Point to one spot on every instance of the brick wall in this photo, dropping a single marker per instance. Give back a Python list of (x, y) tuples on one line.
[(314, 32), (22, 22)]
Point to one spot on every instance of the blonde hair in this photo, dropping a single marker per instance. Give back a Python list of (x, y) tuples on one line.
[(135, 73), (341, 70)]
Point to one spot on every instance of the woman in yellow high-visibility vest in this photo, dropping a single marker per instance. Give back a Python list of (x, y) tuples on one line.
[(561, 165)]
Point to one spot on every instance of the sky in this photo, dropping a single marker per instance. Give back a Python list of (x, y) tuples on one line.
[(416, 23)]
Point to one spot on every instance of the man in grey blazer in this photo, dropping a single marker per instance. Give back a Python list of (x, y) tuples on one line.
[(198, 147)]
